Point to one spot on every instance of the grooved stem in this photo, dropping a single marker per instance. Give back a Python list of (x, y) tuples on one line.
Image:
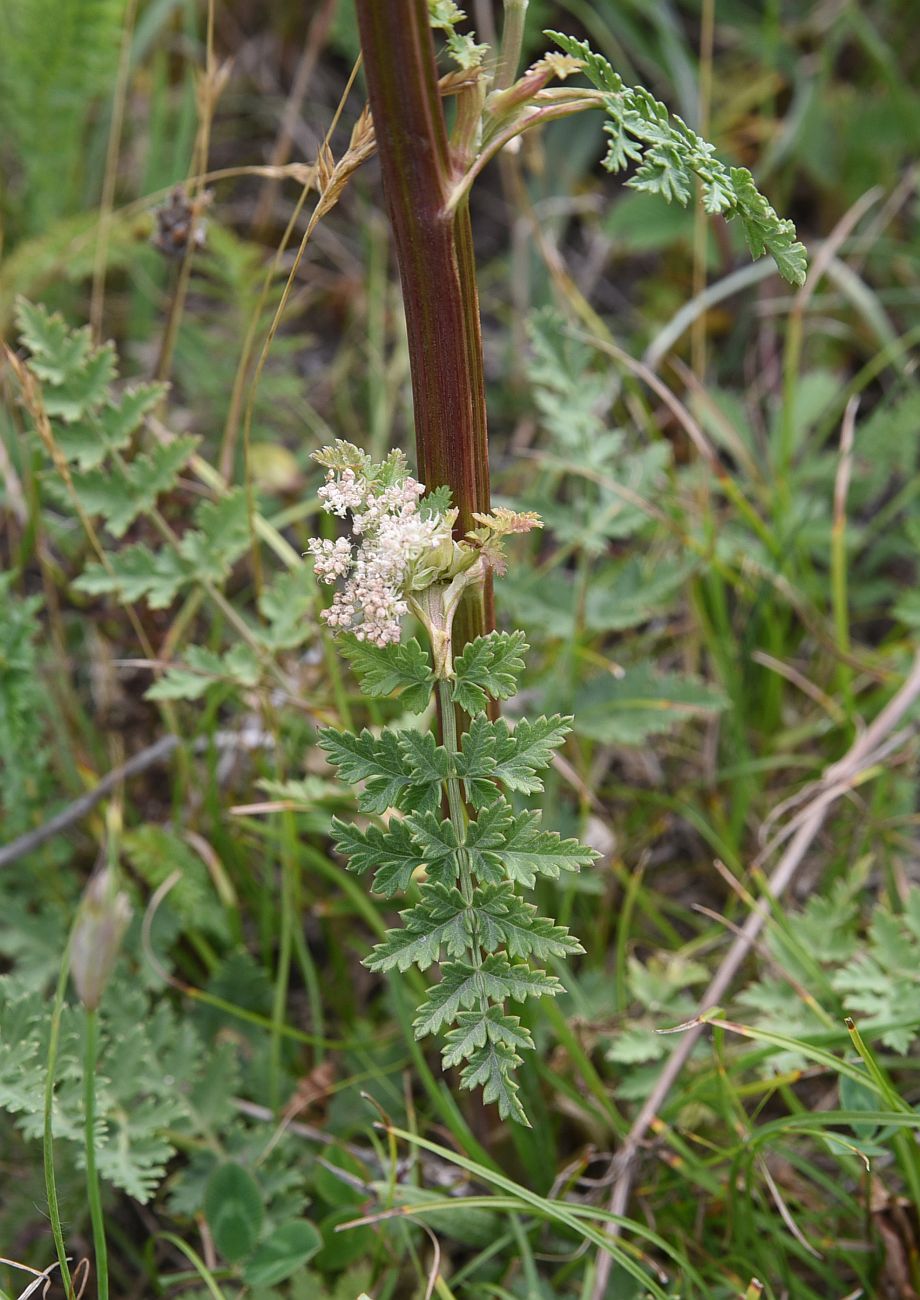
[(434, 251)]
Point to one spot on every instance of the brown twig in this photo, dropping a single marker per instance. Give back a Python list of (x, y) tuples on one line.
[(837, 780), (159, 752)]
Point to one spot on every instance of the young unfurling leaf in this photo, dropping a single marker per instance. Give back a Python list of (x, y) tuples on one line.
[(671, 158)]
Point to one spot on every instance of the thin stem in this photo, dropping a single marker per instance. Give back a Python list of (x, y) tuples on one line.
[(512, 40), (449, 734), (48, 1137), (92, 1177), (456, 810)]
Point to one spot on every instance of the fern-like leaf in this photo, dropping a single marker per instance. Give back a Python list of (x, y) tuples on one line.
[(670, 156)]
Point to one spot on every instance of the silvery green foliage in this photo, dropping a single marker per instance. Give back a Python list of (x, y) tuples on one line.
[(468, 916), (670, 158)]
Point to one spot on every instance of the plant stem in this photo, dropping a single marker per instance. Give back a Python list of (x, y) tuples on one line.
[(455, 806), (434, 251), (449, 733), (54, 1212), (512, 40), (92, 1177)]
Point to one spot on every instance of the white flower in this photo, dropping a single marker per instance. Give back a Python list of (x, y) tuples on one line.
[(342, 492), (394, 537), (331, 560)]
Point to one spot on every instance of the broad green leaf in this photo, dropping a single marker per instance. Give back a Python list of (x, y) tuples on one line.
[(234, 1210), (488, 666), (640, 703), (84, 389), (137, 573), (119, 494), (203, 669), (57, 350), (286, 605), (220, 536), (405, 668), (90, 440), (633, 592), (283, 1253)]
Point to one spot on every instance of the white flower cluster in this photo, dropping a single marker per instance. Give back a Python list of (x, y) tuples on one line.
[(394, 537)]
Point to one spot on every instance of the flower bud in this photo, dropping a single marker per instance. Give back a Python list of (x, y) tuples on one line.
[(101, 923)]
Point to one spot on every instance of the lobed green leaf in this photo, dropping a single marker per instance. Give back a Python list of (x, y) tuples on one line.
[(491, 1068), (381, 671), (392, 853), (488, 665)]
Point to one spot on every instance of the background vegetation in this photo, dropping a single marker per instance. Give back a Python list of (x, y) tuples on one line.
[(723, 595)]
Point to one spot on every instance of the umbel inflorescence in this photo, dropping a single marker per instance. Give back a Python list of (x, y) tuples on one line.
[(466, 870)]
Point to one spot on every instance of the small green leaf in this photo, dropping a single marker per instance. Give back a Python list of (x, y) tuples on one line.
[(439, 920), (670, 155), (492, 1069), (436, 502), (489, 665), (521, 753), (279, 1257), (426, 761), (372, 759), (392, 853), (462, 985), (438, 844), (502, 917), (405, 668), (234, 1210), (475, 1028), (529, 851)]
